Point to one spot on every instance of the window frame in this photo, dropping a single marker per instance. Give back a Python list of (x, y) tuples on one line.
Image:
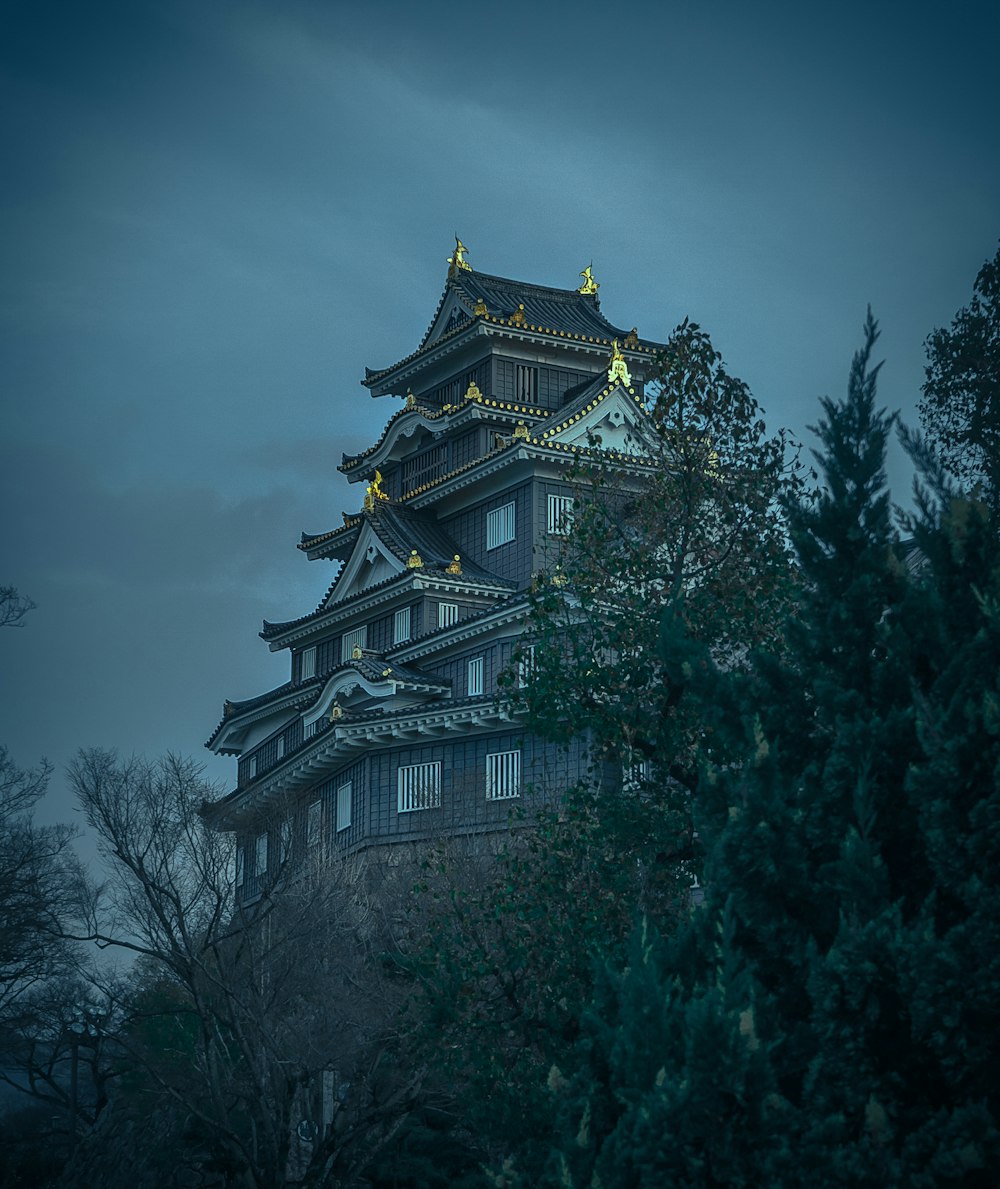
[(345, 799), (307, 663), (501, 525), (402, 619), (559, 515), (426, 790), (503, 769), (314, 824), (449, 620), (475, 676), (355, 638), (260, 848)]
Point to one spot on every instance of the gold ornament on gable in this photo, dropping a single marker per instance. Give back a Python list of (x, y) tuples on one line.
[(589, 284), (618, 368), (457, 262)]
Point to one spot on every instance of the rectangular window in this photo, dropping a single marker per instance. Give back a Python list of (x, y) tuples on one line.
[(241, 865), (475, 676), (286, 840), (419, 787), (314, 819), (447, 615), (525, 664), (503, 775), (313, 728), (560, 518), (351, 640), (307, 664), (401, 626), (279, 747), (344, 797), (260, 855), (500, 526), (525, 383), (252, 766)]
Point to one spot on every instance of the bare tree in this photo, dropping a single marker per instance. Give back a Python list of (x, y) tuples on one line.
[(36, 886), (260, 1008), (14, 607)]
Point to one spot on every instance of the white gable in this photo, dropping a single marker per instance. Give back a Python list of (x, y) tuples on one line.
[(369, 564), (616, 419), (453, 309)]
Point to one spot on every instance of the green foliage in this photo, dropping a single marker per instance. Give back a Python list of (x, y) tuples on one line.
[(685, 529), (831, 1013), (960, 409), (676, 545)]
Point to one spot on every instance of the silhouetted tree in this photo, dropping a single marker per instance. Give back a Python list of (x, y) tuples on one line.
[(960, 409)]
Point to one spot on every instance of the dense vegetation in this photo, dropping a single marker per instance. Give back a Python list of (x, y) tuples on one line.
[(761, 946)]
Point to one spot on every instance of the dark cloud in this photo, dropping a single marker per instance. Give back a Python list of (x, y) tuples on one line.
[(215, 216)]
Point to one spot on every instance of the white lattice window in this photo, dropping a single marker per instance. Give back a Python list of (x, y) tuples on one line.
[(307, 664), (344, 797), (279, 747), (419, 786), (475, 676), (525, 664), (260, 855), (500, 524), (351, 640), (525, 384), (503, 775), (447, 615), (252, 766), (314, 822), (560, 517), (401, 625)]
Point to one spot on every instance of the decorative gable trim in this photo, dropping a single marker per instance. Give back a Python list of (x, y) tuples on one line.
[(371, 563)]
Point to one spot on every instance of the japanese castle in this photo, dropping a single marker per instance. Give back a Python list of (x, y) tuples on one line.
[(390, 728)]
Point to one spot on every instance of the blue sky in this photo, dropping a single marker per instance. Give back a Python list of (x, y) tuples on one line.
[(215, 215)]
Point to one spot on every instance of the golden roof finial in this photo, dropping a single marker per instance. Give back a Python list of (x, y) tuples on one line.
[(632, 338), (374, 492), (518, 317), (458, 263), (411, 400), (617, 367), (356, 654), (336, 711), (589, 284), (414, 561), (480, 309), (454, 566), (472, 392), (521, 432)]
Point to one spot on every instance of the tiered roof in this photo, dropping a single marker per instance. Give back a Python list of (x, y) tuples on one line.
[(474, 303)]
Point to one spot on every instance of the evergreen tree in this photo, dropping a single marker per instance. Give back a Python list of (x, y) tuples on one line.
[(830, 1014), (688, 530)]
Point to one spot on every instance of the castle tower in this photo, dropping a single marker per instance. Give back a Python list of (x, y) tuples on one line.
[(389, 729)]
